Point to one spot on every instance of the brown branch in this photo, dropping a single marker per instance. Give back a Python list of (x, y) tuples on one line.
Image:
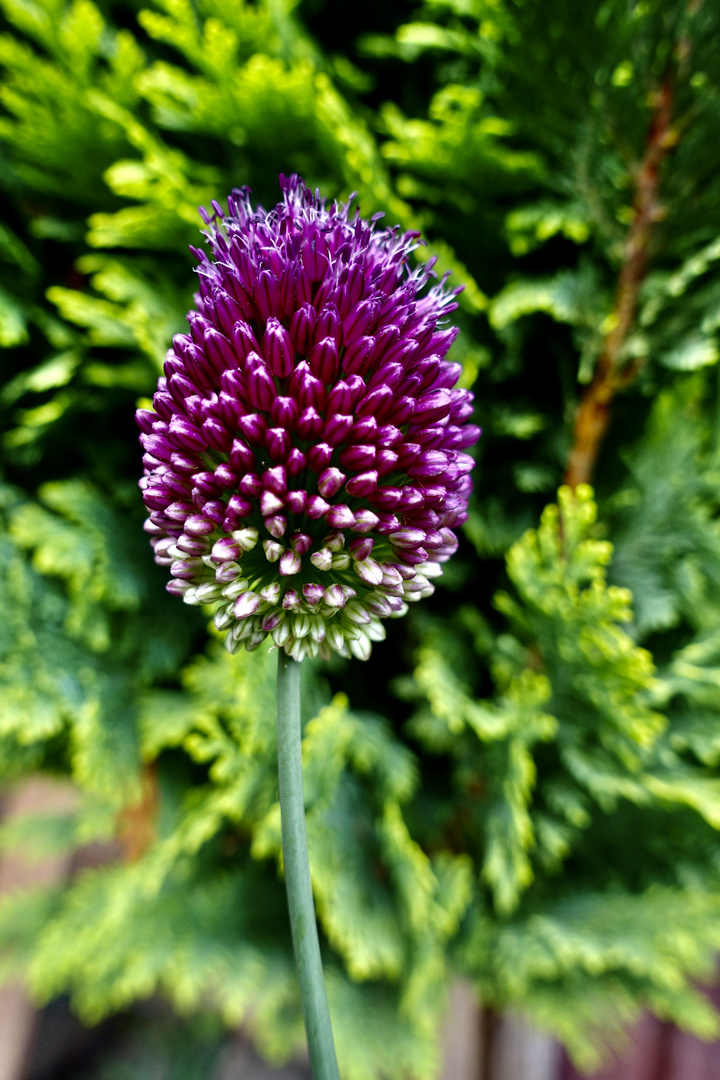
[(136, 827), (593, 415)]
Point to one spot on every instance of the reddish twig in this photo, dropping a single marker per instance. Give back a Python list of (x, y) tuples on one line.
[(593, 416)]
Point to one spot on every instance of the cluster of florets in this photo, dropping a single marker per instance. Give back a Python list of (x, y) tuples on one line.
[(305, 464)]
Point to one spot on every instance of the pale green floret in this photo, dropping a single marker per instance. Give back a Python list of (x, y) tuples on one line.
[(256, 602)]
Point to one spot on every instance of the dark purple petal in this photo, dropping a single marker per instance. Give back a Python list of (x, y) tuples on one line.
[(278, 349)]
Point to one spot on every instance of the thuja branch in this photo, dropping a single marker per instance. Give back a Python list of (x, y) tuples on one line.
[(593, 416)]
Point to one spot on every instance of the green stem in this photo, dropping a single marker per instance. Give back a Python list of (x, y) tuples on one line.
[(297, 874)]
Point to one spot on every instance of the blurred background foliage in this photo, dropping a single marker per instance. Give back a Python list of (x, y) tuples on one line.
[(521, 785)]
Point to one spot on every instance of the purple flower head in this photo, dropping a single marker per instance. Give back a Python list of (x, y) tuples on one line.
[(305, 464)]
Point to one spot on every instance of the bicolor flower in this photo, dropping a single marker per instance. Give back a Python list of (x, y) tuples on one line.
[(305, 463)]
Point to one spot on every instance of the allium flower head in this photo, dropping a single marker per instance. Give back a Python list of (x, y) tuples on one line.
[(305, 464)]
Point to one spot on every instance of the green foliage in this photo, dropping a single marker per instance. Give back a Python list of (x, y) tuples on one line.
[(521, 785)]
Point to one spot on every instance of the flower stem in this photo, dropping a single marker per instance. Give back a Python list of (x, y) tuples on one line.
[(297, 874)]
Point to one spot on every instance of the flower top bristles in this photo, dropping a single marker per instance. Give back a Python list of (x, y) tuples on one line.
[(305, 464)]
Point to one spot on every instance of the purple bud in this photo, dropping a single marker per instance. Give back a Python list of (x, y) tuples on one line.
[(429, 437), (301, 542), (266, 294), (251, 484), (337, 428), (219, 351), (377, 403), (225, 477), (227, 572), (407, 454), (208, 484), (407, 537), (291, 600), (385, 461), (309, 424), (429, 463), (184, 435), (343, 395), (277, 443), (295, 462), (330, 481), (295, 501), (215, 510), (261, 388), (241, 456), (315, 507), (145, 420), (313, 593), (324, 360), (275, 480), (180, 388), (358, 356), (276, 525), (301, 328), (432, 407), (278, 349), (365, 431), (284, 412), (462, 405), (328, 325), (319, 456), (358, 457), (360, 321), (315, 255), (387, 498), (362, 485), (360, 549), (365, 521), (340, 516), (253, 427), (388, 374), (226, 550), (238, 506), (216, 435), (179, 511), (244, 340), (199, 525)]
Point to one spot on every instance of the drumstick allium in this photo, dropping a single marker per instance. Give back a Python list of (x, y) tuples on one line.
[(305, 461)]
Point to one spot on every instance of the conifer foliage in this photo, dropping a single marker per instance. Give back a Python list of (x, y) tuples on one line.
[(521, 784)]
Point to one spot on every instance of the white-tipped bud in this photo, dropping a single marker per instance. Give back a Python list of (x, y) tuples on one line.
[(246, 538), (281, 634), (208, 592), (271, 593), (322, 559), (361, 647), (335, 637), (235, 588), (223, 618), (335, 541), (272, 550), (369, 571), (357, 614)]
